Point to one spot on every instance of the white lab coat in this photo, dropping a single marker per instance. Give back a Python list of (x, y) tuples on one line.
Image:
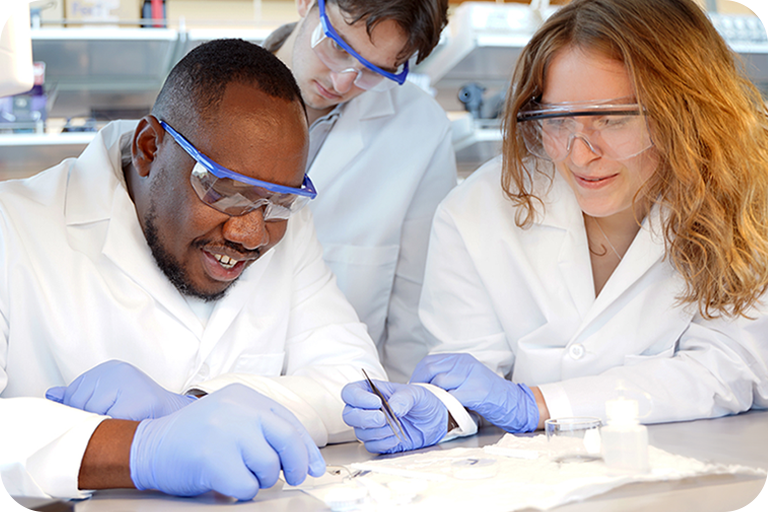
[(380, 174), (79, 286), (523, 302)]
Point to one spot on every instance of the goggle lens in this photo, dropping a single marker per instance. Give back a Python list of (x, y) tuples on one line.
[(235, 198), (618, 132), (236, 194)]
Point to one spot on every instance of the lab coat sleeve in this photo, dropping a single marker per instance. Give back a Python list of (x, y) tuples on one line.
[(717, 367), (41, 442), (326, 347), (404, 346)]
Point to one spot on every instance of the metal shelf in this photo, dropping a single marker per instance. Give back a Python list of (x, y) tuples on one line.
[(747, 37), (481, 44), (103, 68), (475, 141), (196, 36), (26, 154), (107, 72)]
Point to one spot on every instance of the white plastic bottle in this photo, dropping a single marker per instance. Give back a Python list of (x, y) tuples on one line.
[(624, 439)]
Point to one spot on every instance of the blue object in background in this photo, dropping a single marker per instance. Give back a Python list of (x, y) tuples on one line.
[(28, 111)]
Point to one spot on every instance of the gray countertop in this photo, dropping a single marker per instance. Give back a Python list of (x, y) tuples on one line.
[(731, 440)]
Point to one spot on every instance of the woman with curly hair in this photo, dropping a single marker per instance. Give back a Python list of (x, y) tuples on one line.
[(621, 239)]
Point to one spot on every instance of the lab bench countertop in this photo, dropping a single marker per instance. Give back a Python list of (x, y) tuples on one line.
[(739, 439)]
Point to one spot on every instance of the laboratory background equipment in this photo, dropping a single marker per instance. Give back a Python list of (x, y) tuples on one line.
[(104, 61)]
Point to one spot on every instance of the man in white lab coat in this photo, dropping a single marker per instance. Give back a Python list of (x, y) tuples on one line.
[(171, 257), (380, 153)]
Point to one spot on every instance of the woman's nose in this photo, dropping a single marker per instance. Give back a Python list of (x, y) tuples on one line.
[(581, 151)]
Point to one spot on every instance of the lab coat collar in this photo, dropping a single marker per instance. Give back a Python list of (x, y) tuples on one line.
[(96, 192), (330, 116), (377, 104), (346, 140), (95, 174), (238, 295), (126, 246), (646, 249), (562, 211)]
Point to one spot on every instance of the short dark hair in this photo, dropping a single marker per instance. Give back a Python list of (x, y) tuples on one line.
[(422, 20), (196, 84)]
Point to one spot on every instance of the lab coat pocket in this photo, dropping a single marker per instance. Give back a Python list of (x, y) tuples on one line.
[(633, 359), (268, 365), (365, 276)]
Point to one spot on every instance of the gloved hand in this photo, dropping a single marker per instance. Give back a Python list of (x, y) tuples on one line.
[(233, 441), (119, 390), (505, 404), (423, 415)]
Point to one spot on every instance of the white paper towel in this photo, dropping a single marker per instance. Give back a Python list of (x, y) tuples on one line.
[(514, 474)]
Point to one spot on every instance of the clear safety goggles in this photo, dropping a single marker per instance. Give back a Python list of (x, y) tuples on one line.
[(234, 194), (614, 130), (340, 57)]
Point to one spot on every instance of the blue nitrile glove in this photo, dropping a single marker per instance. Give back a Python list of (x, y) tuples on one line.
[(119, 390), (423, 415), (233, 441), (505, 404)]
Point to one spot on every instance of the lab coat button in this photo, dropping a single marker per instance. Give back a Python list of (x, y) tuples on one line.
[(204, 371), (576, 351)]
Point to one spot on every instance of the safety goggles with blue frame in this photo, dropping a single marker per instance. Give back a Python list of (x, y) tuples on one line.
[(337, 57), (235, 194)]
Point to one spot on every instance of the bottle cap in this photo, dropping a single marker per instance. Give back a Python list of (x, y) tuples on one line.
[(622, 410)]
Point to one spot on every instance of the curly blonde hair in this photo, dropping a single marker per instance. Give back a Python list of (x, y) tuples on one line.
[(709, 126)]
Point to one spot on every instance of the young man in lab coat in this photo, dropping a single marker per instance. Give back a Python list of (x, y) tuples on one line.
[(380, 152), (171, 257)]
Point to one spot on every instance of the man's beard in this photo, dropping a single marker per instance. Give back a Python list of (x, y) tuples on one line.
[(172, 269)]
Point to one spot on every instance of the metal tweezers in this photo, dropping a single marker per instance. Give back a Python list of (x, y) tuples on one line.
[(392, 420)]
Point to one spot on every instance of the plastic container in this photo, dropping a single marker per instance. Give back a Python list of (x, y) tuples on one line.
[(624, 440)]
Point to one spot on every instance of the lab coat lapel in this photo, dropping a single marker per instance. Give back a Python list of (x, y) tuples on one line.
[(346, 140), (233, 302), (564, 213), (128, 250), (646, 249), (96, 193), (127, 247)]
